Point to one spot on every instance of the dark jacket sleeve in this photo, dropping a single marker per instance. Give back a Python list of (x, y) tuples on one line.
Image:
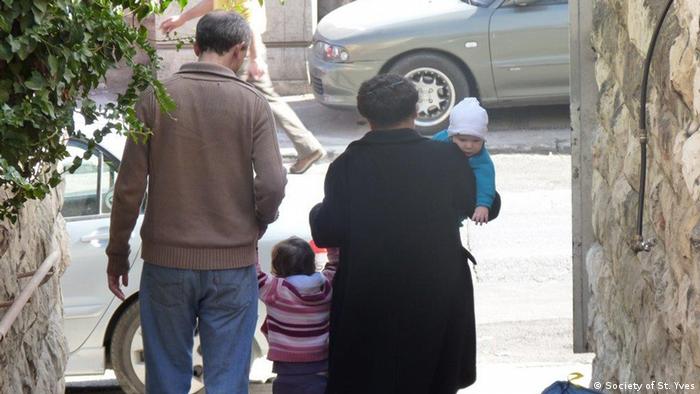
[(328, 219), (495, 207)]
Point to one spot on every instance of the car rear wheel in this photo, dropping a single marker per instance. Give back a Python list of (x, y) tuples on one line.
[(440, 83), (127, 355)]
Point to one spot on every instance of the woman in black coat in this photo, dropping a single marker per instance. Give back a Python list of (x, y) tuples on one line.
[(402, 316)]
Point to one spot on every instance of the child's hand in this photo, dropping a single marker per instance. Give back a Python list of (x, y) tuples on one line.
[(481, 215)]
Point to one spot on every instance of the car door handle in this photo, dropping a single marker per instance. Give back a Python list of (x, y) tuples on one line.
[(94, 237)]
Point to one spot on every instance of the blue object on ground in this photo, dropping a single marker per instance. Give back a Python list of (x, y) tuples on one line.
[(562, 387)]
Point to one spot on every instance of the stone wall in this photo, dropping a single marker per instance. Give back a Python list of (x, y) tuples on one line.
[(33, 355), (644, 314)]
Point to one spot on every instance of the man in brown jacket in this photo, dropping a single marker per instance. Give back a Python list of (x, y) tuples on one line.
[(215, 181)]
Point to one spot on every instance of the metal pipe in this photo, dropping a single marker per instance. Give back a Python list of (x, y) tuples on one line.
[(19, 302), (638, 243)]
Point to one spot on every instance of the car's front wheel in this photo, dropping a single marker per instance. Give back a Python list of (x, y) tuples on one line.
[(441, 84), (126, 354)]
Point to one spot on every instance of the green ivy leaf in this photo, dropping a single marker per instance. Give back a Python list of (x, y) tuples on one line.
[(4, 24), (5, 52), (15, 44), (40, 4), (48, 69), (167, 104), (53, 65), (5, 88), (36, 82)]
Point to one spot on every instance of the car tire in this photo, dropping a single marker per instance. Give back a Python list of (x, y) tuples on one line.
[(441, 84), (121, 348)]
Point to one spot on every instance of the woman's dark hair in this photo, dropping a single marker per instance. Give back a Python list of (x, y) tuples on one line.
[(219, 31), (293, 256), (387, 99)]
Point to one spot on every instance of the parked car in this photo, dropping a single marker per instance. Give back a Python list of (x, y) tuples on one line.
[(103, 332), (506, 52)]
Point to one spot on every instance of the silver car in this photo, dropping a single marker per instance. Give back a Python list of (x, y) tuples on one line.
[(103, 332), (506, 52)]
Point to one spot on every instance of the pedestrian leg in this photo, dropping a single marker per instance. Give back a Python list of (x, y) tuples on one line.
[(167, 326), (228, 313), (304, 141)]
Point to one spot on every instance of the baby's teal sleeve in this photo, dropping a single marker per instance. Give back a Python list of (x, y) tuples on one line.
[(441, 136), (485, 175)]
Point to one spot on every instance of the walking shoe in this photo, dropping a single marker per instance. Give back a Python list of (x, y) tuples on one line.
[(303, 163)]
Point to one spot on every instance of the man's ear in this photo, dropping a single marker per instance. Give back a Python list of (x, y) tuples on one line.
[(197, 50), (240, 49)]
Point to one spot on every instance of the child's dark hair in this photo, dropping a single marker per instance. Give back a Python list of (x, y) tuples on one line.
[(293, 256)]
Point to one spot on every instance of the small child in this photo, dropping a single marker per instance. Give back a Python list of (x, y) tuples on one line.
[(468, 126), (298, 301)]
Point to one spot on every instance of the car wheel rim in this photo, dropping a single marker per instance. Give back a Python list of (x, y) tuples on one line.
[(138, 362), (436, 95)]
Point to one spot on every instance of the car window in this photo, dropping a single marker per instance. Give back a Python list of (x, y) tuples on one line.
[(88, 191), (108, 177)]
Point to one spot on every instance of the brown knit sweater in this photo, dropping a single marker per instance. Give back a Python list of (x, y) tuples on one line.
[(213, 170)]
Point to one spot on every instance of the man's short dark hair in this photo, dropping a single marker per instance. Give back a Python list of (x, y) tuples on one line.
[(293, 256), (219, 31), (387, 99)]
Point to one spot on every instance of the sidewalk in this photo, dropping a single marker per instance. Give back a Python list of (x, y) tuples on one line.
[(524, 379), (492, 379), (505, 378)]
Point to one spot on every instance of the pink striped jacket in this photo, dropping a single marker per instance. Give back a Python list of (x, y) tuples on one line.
[(298, 310)]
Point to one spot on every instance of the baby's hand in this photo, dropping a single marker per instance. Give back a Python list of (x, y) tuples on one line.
[(481, 215)]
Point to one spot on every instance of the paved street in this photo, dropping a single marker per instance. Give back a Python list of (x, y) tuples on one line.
[(513, 130), (523, 287)]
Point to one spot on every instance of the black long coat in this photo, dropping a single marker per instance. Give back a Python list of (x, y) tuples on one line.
[(402, 317)]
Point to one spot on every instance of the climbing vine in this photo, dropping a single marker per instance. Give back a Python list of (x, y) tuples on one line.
[(53, 54)]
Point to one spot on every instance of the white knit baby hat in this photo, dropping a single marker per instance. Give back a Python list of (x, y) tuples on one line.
[(469, 118)]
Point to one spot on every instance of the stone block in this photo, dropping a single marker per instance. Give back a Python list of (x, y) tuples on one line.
[(644, 317), (691, 165), (173, 59), (631, 164), (601, 205), (293, 21), (34, 353), (638, 22), (287, 64)]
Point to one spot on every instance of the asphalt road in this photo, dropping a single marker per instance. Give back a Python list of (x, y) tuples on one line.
[(541, 129), (523, 286)]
